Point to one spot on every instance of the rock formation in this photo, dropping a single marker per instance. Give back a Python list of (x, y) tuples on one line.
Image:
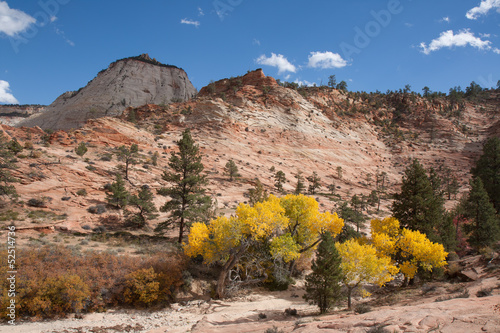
[(127, 82)]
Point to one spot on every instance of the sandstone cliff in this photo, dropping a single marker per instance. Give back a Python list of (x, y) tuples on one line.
[(128, 82)]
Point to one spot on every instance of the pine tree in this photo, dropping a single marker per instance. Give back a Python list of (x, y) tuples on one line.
[(231, 170), (488, 169), (279, 180), (118, 196), (315, 181), (143, 201), (299, 188), (257, 194), (323, 285), (6, 164), (418, 206), (484, 230), (128, 155), (188, 202)]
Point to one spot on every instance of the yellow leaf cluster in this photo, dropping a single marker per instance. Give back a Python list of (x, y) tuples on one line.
[(291, 224), (412, 248), (362, 264)]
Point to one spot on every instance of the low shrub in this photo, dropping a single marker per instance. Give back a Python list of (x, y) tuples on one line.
[(54, 281)]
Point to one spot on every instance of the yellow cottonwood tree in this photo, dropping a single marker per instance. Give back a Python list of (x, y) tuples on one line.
[(291, 226), (361, 264), (408, 249)]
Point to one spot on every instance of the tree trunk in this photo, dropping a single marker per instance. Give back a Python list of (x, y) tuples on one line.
[(231, 262), (349, 292), (181, 230)]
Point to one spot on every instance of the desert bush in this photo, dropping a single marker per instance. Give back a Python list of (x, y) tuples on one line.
[(362, 308), (141, 287), (98, 209), (36, 203), (82, 192), (54, 281)]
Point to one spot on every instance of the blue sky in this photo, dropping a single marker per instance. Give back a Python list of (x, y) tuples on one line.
[(48, 47)]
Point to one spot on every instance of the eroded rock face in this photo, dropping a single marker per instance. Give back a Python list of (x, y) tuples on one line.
[(129, 82)]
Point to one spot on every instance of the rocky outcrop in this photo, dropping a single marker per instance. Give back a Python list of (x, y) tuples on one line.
[(127, 82), (13, 114)]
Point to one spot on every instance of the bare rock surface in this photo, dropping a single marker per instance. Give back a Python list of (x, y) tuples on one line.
[(128, 82)]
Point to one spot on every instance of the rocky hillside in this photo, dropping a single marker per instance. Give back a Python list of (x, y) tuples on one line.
[(264, 127), (13, 114), (128, 82)]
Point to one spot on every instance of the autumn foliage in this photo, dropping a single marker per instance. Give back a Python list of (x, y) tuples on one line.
[(52, 281), (409, 249), (286, 228)]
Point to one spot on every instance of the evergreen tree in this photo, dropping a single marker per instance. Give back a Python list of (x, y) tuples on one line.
[(315, 182), (381, 186), (15, 147), (188, 202), (6, 164), (488, 169), (323, 285), (128, 155), (231, 170), (418, 206), (81, 149), (351, 216), (299, 188), (143, 201), (118, 195), (257, 194), (484, 230), (279, 180)]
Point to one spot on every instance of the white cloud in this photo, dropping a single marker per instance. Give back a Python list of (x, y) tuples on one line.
[(305, 83), (13, 21), (191, 22), (200, 12), (496, 50), (409, 25), (445, 19), (484, 7), (53, 19), (326, 60), (278, 61), (449, 39), (256, 42), (5, 95)]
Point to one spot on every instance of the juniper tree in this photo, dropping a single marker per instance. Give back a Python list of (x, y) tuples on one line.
[(188, 202), (81, 149), (323, 285)]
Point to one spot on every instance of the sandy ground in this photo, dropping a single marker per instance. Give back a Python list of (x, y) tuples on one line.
[(260, 310)]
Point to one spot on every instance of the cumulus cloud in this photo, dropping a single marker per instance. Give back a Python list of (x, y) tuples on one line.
[(5, 95), (449, 39), (326, 60), (484, 7), (305, 83), (13, 21), (278, 61), (190, 22)]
